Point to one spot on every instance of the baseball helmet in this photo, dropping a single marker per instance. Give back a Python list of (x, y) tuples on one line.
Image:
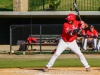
[(71, 17)]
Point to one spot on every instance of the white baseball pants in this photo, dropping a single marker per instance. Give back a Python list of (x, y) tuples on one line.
[(62, 46), (85, 43), (98, 46)]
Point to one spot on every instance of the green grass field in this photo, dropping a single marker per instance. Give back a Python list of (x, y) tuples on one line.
[(38, 63)]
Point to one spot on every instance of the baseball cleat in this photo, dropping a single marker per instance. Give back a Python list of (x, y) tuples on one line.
[(46, 69), (88, 69)]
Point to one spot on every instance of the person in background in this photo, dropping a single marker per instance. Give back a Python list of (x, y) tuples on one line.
[(90, 36)]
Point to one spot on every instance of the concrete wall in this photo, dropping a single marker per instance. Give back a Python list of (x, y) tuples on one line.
[(20, 5)]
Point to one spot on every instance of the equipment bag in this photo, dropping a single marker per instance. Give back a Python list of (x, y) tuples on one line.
[(22, 47)]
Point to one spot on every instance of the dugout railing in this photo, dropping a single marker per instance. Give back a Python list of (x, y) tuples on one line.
[(46, 34)]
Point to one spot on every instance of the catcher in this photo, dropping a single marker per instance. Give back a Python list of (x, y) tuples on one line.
[(68, 39)]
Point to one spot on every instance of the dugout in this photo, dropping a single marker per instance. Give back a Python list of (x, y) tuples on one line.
[(20, 18)]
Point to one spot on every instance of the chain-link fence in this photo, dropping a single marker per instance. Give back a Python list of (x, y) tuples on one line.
[(64, 5), (47, 36), (54, 5)]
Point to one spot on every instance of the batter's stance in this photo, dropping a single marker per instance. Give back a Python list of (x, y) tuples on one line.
[(68, 39)]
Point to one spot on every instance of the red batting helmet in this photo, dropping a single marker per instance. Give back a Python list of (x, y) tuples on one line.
[(71, 17)]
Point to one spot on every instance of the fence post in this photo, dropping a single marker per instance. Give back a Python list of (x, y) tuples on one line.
[(10, 40), (40, 38), (31, 25)]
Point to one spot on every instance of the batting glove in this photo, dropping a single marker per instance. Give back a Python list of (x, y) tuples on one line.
[(76, 31), (70, 32)]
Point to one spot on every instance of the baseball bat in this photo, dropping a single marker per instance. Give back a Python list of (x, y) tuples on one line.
[(76, 9)]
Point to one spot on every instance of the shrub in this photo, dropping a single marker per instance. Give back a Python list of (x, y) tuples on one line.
[(54, 4)]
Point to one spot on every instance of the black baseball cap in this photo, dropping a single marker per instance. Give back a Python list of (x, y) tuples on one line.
[(92, 26)]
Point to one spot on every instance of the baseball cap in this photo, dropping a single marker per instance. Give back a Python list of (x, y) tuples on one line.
[(92, 26)]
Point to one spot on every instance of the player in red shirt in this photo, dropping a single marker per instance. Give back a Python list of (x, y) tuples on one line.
[(91, 36), (68, 40)]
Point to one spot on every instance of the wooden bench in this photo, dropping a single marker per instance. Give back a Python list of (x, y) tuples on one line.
[(45, 40), (39, 44)]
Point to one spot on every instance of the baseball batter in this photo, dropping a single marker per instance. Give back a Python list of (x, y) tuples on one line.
[(68, 39)]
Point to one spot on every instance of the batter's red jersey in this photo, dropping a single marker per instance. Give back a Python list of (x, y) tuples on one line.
[(93, 33), (66, 27)]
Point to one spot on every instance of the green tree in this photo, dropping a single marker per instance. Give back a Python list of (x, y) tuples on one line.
[(53, 5)]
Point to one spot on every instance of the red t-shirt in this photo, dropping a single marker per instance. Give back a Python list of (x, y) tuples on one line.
[(66, 27)]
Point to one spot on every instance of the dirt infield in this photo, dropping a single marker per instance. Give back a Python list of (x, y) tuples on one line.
[(52, 71)]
